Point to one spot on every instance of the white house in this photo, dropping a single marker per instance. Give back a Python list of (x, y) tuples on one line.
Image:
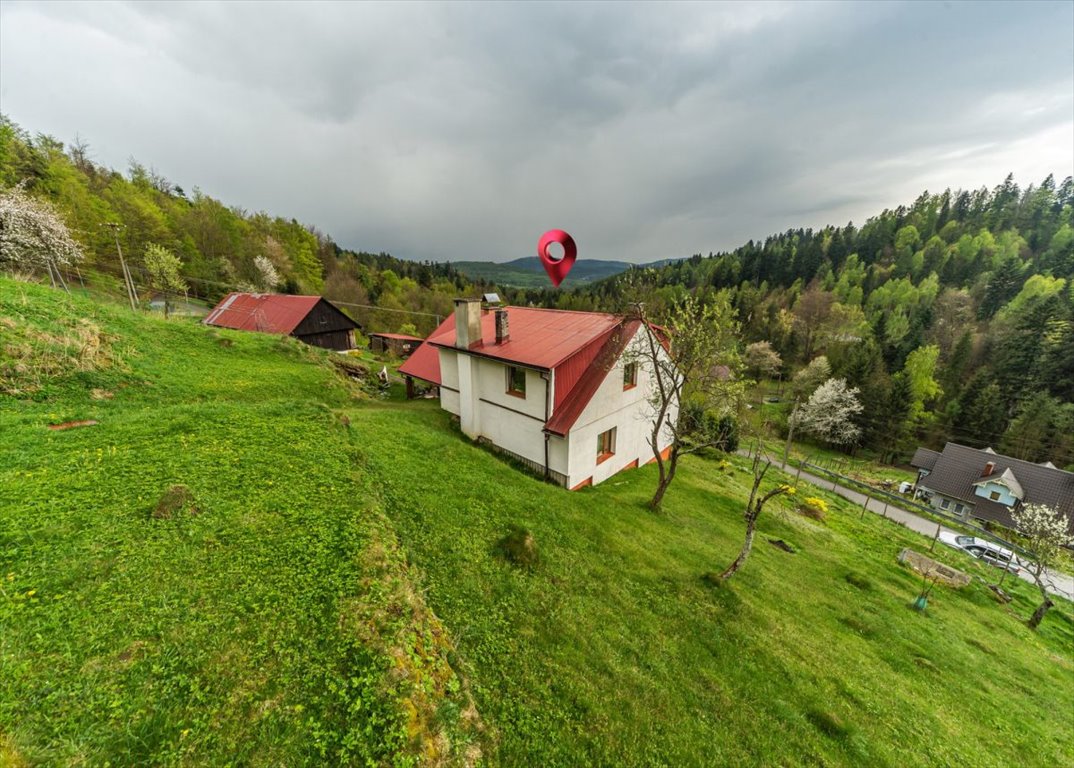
[(565, 393)]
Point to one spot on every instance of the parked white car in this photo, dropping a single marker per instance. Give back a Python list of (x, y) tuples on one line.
[(993, 554)]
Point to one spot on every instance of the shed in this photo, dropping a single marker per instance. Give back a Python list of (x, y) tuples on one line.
[(311, 319), (399, 344)]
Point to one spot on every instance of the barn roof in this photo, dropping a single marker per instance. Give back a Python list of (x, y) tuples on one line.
[(265, 312)]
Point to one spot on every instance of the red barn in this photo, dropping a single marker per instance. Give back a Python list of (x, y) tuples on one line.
[(312, 319)]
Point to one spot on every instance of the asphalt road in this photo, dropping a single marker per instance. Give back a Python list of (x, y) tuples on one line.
[(1057, 582)]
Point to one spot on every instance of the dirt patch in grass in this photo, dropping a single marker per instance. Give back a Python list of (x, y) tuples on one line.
[(859, 626), (980, 646), (828, 723), (177, 500), (781, 544), (519, 548), (859, 580)]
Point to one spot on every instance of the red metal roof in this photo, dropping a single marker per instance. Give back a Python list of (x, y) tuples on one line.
[(596, 370), (580, 346), (399, 336), (540, 338), (424, 362), (265, 312)]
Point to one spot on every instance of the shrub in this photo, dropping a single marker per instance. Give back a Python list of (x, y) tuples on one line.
[(813, 507)]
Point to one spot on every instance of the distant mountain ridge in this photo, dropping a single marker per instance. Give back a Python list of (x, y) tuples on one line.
[(528, 272)]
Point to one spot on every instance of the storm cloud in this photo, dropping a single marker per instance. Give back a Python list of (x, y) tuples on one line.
[(463, 131)]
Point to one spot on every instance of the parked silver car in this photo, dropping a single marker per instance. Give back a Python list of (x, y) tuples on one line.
[(993, 554)]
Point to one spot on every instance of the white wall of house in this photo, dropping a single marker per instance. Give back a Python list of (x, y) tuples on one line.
[(509, 421), (628, 411), (474, 388)]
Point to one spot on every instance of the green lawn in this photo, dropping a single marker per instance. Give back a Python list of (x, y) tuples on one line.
[(615, 652), (273, 623), (334, 594)]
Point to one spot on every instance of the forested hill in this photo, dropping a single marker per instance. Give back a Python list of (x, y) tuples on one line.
[(222, 248), (954, 315)]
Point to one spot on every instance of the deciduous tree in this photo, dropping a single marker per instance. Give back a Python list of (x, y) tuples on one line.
[(1047, 531), (762, 360), (692, 369), (32, 234), (163, 268), (829, 413)]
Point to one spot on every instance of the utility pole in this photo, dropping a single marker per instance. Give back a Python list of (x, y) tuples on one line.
[(128, 281), (790, 433)]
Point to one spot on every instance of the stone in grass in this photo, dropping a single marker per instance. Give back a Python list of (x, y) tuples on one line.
[(519, 548), (176, 500)]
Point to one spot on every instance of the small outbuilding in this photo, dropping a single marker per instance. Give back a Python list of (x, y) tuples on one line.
[(399, 344), (312, 319)]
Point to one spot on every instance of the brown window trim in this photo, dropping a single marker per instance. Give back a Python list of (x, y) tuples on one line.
[(633, 379), (603, 457)]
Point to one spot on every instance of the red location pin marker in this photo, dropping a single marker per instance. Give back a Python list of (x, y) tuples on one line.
[(557, 269)]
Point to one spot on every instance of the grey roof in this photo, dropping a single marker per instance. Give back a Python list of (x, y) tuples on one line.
[(959, 467), (924, 459)]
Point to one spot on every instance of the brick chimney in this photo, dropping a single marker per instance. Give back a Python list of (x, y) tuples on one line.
[(467, 323), (502, 334), (988, 469)]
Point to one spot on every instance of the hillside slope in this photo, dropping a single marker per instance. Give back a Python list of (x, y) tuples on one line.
[(269, 620), (286, 616)]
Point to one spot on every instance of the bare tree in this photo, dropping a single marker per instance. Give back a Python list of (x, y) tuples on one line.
[(691, 361), (1047, 531), (754, 508)]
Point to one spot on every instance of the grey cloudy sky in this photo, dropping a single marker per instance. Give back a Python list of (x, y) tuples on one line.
[(464, 131)]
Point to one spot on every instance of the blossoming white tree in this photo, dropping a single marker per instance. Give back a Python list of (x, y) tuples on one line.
[(1047, 531), (268, 277), (32, 234), (829, 413)]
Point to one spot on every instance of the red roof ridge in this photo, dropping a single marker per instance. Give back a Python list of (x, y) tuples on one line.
[(567, 414)]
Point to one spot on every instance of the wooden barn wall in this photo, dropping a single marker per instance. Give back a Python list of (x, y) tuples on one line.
[(323, 318), (329, 340)]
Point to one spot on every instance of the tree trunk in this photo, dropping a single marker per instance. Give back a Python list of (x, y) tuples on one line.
[(1038, 615), (747, 545), (666, 476)]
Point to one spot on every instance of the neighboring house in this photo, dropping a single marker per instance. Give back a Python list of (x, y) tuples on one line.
[(564, 393), (398, 344), (983, 484), (311, 319)]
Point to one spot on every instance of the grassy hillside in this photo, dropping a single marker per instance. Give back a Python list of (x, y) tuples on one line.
[(270, 620), (333, 592)]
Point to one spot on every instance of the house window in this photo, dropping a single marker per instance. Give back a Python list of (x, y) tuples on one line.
[(516, 381), (959, 508), (945, 503), (630, 375), (605, 445), (994, 495)]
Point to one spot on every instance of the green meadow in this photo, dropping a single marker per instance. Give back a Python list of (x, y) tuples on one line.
[(327, 588)]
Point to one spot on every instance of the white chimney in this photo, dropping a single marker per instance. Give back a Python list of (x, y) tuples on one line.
[(467, 323)]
